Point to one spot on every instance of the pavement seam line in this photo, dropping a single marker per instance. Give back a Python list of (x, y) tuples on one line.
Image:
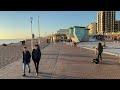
[(55, 63)]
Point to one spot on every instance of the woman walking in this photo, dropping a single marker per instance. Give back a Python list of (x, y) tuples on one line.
[(100, 50), (36, 56)]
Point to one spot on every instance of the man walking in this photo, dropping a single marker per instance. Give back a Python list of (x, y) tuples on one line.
[(36, 56), (26, 59)]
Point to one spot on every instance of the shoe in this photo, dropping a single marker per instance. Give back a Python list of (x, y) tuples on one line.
[(36, 73), (24, 75)]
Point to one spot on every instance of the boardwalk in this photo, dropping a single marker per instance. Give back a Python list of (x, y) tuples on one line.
[(64, 62)]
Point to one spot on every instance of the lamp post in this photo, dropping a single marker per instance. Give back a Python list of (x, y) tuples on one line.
[(104, 39), (31, 18), (38, 31)]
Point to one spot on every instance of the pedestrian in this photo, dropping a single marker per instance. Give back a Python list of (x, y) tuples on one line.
[(71, 43), (38, 46), (47, 40), (36, 56), (100, 50), (26, 59)]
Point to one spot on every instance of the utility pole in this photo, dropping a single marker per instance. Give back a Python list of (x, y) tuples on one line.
[(38, 32), (31, 18)]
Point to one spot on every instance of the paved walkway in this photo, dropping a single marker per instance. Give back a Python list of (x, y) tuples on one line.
[(64, 62)]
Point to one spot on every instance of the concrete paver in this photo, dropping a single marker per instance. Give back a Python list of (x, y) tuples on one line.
[(59, 61)]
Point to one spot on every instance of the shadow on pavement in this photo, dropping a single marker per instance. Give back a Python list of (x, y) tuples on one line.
[(109, 63), (44, 75), (69, 55), (65, 77), (79, 61)]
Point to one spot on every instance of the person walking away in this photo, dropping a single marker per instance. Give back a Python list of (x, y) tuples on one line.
[(26, 59), (100, 50), (47, 40), (36, 56), (38, 46)]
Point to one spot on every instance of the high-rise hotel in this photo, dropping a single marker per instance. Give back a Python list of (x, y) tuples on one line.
[(105, 22)]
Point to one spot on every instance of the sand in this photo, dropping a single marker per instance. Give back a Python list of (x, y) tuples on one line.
[(13, 52)]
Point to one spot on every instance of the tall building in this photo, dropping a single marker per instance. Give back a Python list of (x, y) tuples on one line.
[(105, 22), (93, 28), (117, 25)]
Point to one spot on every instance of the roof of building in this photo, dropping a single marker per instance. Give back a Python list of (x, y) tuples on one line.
[(79, 27), (87, 29), (71, 28), (63, 30), (93, 22)]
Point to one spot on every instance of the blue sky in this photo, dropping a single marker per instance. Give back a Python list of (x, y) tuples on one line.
[(16, 24)]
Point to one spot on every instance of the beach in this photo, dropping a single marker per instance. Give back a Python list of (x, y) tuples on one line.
[(13, 52)]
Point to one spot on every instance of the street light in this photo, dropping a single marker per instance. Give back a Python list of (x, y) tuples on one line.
[(38, 31), (31, 18)]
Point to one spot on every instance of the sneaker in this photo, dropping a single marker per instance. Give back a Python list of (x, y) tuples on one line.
[(23, 75), (36, 73)]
